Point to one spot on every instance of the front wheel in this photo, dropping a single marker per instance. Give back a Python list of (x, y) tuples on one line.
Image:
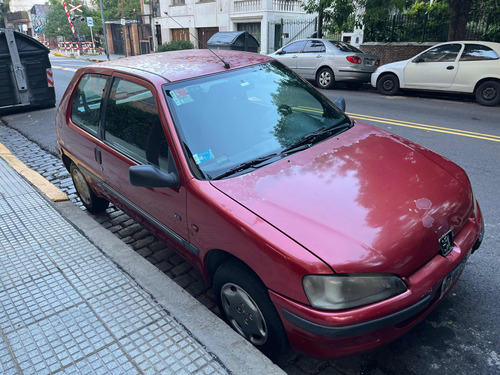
[(325, 78), (91, 201), (245, 304), (388, 84), (488, 93)]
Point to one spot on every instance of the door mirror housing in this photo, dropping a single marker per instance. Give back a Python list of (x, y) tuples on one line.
[(340, 103), (150, 176)]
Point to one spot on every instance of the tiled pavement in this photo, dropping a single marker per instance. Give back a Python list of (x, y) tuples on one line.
[(67, 307)]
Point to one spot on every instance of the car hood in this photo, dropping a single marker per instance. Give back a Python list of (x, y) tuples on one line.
[(363, 201)]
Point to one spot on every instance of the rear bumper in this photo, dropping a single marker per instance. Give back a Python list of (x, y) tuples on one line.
[(352, 75), (327, 334)]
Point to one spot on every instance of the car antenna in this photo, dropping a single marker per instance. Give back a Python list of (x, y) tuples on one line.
[(226, 64)]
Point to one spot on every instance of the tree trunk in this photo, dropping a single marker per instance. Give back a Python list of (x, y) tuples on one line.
[(319, 33), (459, 13)]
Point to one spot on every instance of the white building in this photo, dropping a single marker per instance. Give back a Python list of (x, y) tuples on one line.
[(272, 22)]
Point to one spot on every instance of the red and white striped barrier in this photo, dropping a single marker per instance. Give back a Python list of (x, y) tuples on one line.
[(50, 77)]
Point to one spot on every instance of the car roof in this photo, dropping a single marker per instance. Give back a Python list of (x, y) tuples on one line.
[(184, 64)]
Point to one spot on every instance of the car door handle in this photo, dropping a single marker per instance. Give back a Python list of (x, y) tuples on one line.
[(294, 56), (450, 67), (98, 156)]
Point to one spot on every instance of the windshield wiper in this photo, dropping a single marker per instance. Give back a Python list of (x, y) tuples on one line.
[(306, 141), (255, 163)]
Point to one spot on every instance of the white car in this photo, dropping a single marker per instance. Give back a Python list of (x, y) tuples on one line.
[(463, 67)]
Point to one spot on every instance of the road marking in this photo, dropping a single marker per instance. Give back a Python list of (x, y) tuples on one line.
[(415, 125), (60, 67), (463, 133), (32, 176)]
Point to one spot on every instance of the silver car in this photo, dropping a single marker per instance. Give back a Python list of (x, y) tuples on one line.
[(328, 61)]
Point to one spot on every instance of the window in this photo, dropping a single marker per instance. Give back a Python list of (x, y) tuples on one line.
[(86, 105), (294, 47), (133, 126), (178, 2), (314, 46), (445, 53), (475, 52)]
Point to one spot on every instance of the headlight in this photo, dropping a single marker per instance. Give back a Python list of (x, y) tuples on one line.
[(337, 292)]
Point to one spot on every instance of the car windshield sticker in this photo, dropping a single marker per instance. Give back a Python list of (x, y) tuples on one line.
[(181, 96), (201, 157), (223, 159)]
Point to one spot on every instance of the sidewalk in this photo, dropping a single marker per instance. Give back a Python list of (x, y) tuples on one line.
[(94, 58), (76, 299)]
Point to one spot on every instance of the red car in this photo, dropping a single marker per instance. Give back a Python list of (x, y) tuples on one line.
[(315, 230)]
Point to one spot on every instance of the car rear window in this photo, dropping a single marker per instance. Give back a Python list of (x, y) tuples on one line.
[(476, 52), (345, 47)]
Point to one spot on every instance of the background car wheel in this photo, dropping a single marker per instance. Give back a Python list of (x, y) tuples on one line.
[(245, 304), (488, 93), (325, 78), (388, 84), (91, 201)]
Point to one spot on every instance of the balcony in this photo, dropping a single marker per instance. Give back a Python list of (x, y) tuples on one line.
[(246, 6)]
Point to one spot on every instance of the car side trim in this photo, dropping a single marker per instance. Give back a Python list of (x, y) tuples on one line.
[(357, 329), (143, 213)]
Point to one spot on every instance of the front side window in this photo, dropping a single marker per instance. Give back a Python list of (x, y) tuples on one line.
[(314, 46), (445, 53), (133, 126), (234, 122), (477, 52), (87, 100), (295, 47)]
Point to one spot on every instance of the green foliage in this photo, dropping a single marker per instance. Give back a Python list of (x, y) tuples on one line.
[(175, 45), (58, 25), (113, 8), (338, 15)]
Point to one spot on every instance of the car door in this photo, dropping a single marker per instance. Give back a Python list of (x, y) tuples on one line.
[(133, 134), (309, 60), (84, 118), (289, 54), (434, 69)]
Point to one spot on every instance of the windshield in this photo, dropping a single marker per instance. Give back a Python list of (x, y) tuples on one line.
[(234, 120)]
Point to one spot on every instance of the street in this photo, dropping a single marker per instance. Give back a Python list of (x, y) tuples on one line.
[(461, 336)]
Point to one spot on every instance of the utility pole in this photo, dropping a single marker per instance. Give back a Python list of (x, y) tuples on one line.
[(106, 48)]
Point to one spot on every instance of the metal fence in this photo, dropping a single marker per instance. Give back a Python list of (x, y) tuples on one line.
[(428, 28)]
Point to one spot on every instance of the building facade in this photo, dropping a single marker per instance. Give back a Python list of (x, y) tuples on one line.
[(272, 22)]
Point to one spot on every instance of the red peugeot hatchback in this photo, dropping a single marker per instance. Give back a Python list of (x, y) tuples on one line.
[(315, 230)]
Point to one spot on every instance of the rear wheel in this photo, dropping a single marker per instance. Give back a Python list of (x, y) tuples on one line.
[(91, 201), (488, 93), (325, 78), (245, 304), (388, 84)]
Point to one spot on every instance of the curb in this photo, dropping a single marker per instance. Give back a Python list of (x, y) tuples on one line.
[(40, 182)]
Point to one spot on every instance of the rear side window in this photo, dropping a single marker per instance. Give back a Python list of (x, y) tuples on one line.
[(133, 126), (314, 46), (476, 52), (86, 104)]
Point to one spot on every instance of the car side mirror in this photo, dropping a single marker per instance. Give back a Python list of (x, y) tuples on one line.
[(340, 103), (280, 52), (150, 176), (417, 60)]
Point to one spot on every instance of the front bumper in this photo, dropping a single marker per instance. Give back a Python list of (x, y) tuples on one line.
[(327, 334)]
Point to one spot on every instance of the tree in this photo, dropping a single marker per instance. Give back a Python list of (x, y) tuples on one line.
[(459, 14), (333, 15)]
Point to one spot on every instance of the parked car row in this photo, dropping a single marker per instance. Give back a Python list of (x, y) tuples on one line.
[(291, 210), (467, 67)]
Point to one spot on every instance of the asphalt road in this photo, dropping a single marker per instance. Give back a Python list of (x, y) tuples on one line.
[(462, 336)]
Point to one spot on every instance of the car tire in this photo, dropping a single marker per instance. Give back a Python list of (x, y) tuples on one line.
[(91, 201), (388, 84), (325, 78), (488, 93), (244, 302)]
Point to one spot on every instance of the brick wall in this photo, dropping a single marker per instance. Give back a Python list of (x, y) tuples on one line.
[(390, 52)]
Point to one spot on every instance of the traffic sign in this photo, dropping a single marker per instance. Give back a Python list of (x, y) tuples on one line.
[(90, 22), (75, 7)]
